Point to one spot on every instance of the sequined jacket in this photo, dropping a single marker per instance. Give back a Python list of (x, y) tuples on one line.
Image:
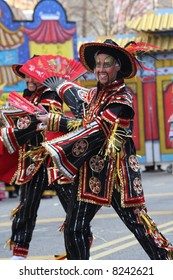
[(98, 150), (21, 138)]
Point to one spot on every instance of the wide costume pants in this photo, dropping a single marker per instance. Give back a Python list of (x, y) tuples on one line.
[(25, 219), (80, 214)]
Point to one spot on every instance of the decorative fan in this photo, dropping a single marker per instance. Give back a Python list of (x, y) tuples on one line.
[(20, 102), (52, 70)]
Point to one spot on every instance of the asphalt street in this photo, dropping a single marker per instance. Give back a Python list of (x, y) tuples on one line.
[(112, 240)]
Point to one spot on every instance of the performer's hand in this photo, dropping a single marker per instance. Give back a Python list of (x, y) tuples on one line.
[(43, 118), (41, 126)]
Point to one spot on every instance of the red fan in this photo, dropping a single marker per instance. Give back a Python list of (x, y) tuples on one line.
[(52, 70), (20, 102)]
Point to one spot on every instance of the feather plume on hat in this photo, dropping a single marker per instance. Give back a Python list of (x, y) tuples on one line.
[(139, 49)]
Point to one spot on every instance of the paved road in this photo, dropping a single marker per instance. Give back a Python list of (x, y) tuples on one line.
[(112, 240)]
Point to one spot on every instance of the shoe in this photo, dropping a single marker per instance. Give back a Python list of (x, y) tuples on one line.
[(18, 258), (60, 257)]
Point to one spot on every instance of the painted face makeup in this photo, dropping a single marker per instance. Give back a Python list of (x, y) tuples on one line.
[(108, 62), (106, 68)]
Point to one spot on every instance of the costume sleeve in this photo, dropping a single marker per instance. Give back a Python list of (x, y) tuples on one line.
[(19, 126), (74, 96), (51, 101), (13, 137), (71, 150), (104, 134), (112, 114), (62, 123)]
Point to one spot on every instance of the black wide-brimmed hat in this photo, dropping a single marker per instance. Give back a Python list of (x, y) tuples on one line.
[(16, 68), (126, 60)]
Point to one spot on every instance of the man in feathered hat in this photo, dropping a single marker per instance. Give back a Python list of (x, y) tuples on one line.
[(100, 156)]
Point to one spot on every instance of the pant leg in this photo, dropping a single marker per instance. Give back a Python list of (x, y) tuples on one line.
[(77, 228), (143, 228), (25, 218), (64, 193)]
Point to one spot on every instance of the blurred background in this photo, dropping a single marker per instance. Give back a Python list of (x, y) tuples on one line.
[(97, 18), (31, 27)]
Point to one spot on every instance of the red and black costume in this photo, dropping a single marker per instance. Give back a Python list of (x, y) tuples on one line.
[(100, 157), (27, 164)]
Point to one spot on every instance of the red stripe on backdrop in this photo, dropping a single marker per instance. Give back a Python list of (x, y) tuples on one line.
[(168, 110), (150, 110)]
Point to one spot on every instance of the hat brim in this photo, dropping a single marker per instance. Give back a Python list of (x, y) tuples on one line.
[(16, 70), (87, 52)]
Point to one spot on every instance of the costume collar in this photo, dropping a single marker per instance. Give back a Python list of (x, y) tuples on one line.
[(117, 84)]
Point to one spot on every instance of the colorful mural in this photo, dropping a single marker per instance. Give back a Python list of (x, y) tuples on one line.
[(48, 33)]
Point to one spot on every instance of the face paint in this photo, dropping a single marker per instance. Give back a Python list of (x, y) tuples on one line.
[(106, 68), (109, 61)]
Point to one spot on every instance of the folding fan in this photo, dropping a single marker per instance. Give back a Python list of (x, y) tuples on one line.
[(20, 102), (52, 70)]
